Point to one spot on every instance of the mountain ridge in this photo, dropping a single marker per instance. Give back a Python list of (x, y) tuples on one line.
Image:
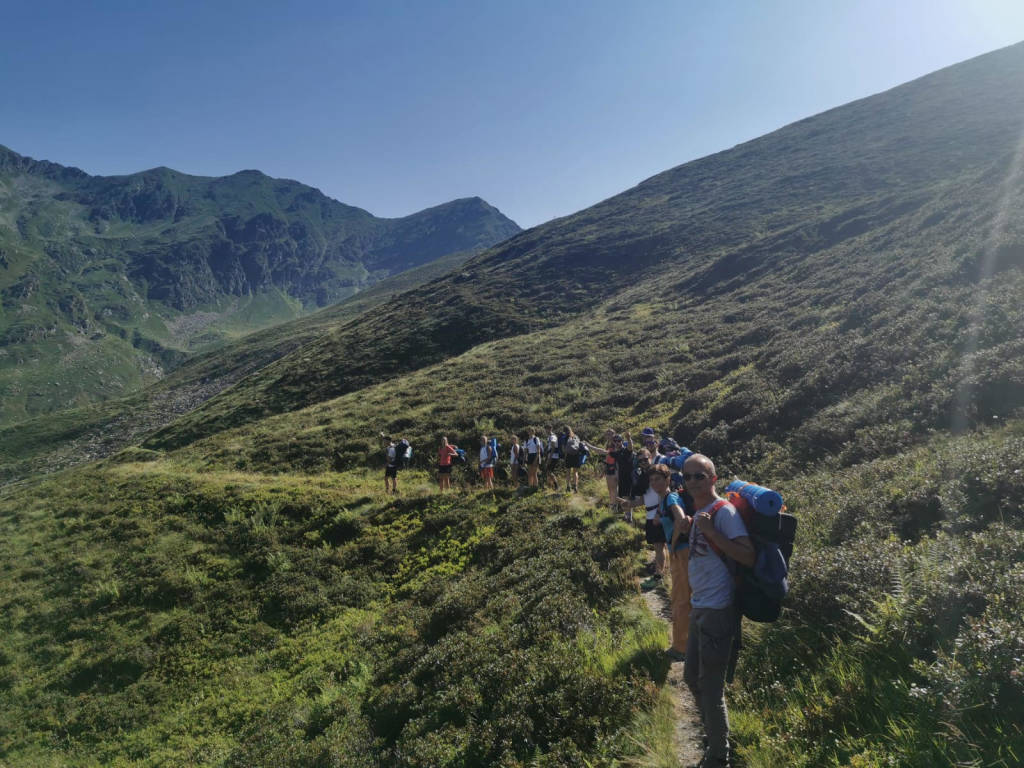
[(803, 189), (136, 272)]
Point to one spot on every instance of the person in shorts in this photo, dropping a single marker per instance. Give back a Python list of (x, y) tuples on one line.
[(516, 459), (390, 466), (487, 459), (573, 449), (445, 453), (554, 455), (534, 450), (643, 495)]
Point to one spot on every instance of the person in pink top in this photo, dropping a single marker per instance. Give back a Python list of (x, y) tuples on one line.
[(445, 453)]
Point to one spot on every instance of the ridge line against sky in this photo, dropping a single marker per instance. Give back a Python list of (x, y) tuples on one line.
[(540, 108)]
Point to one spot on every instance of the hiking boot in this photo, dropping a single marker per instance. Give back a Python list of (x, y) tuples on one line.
[(708, 762), (675, 655)]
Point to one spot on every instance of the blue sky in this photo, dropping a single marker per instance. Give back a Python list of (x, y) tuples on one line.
[(541, 108)]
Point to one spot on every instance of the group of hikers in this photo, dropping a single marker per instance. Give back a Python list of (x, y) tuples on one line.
[(700, 538)]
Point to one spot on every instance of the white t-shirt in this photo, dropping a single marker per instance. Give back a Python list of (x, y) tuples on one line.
[(710, 578), (533, 445), (485, 457), (651, 500)]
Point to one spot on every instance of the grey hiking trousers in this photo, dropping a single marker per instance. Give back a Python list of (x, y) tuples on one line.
[(712, 633)]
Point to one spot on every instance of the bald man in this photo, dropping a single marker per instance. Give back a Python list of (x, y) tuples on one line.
[(718, 541)]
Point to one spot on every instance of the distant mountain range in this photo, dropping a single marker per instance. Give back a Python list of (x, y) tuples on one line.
[(106, 282)]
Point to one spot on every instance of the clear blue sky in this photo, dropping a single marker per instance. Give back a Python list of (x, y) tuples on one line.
[(540, 107)]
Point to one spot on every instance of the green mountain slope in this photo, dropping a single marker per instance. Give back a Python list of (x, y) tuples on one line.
[(836, 214), (836, 310), (107, 282), (57, 440)]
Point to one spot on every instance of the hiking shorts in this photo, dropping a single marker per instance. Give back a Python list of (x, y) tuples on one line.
[(653, 532), (444, 469), (487, 473), (390, 471), (610, 470), (532, 458), (574, 462)]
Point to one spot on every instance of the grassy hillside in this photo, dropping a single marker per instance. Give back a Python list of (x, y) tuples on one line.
[(232, 619), (844, 195), (834, 310), (108, 282), (54, 441)]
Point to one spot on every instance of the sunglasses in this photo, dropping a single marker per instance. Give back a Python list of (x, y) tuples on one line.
[(687, 477)]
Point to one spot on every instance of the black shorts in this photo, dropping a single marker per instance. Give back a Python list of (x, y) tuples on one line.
[(610, 470), (444, 469), (391, 471), (574, 462), (531, 458), (653, 532)]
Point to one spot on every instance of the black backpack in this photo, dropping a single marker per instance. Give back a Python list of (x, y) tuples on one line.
[(402, 451)]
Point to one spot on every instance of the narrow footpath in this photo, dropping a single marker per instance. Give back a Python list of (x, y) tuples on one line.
[(688, 729)]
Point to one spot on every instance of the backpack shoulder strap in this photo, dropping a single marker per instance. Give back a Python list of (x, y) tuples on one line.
[(717, 550)]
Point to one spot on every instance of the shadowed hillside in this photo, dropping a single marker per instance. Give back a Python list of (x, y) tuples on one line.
[(916, 175), (57, 440)]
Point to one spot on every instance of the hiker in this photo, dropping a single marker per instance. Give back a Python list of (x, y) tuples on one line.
[(612, 443), (575, 452), (650, 440), (625, 463), (390, 465), (675, 527), (516, 459), (554, 455), (487, 460), (641, 495), (534, 450), (445, 453), (718, 541)]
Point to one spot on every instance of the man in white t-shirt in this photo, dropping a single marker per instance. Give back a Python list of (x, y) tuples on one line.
[(718, 540)]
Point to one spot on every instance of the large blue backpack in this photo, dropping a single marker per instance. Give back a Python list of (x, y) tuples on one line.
[(760, 590)]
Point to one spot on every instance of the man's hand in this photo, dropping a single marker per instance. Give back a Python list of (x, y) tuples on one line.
[(704, 523)]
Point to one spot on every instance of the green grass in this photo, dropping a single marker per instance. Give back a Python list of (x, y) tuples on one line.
[(153, 615)]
